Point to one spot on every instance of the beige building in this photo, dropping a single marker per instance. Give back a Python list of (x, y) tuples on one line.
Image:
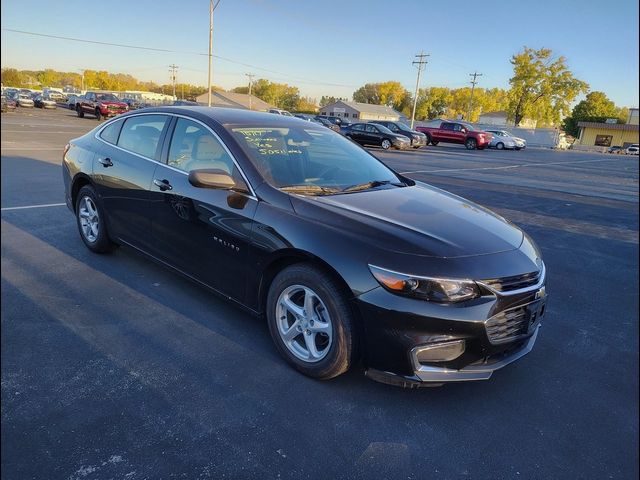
[(601, 136), (234, 100), (499, 119), (360, 111)]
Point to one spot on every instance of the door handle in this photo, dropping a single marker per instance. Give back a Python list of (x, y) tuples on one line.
[(162, 184), (106, 162)]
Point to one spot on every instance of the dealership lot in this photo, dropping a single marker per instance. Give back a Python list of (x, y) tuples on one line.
[(113, 367)]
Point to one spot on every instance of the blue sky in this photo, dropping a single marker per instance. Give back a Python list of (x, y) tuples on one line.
[(330, 47)]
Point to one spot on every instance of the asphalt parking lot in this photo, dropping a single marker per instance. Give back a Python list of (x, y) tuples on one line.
[(113, 367)]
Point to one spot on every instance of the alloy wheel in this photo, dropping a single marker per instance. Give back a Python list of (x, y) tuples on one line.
[(304, 323), (89, 219), (386, 144)]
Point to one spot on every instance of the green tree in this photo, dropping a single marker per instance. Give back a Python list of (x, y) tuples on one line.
[(327, 100), (306, 105), (11, 77), (541, 88), (391, 94), (596, 107), (281, 95)]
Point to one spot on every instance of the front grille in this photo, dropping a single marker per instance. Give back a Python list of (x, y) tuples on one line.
[(516, 282), (513, 323)]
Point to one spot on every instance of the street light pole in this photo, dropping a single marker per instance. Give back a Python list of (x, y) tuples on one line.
[(250, 75), (473, 87)]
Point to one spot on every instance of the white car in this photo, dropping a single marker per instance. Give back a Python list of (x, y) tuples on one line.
[(279, 111), (24, 100), (502, 139), (632, 149)]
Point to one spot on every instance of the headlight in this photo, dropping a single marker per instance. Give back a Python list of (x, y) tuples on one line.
[(440, 290)]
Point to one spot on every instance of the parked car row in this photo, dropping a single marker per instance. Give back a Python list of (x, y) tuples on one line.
[(630, 150)]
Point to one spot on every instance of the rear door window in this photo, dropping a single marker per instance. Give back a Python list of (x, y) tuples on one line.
[(141, 135), (110, 132)]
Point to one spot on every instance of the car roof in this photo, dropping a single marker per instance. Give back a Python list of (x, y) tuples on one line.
[(232, 116)]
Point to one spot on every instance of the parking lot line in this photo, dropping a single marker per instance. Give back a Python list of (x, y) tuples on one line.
[(506, 167), (33, 206)]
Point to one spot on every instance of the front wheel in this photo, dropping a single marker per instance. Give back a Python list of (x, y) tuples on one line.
[(79, 111), (311, 322), (91, 222), (386, 144), (500, 146), (471, 144), (98, 114)]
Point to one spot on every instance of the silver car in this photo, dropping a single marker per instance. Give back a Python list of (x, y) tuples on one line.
[(24, 100), (503, 139)]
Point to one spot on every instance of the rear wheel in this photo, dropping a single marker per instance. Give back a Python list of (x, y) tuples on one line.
[(91, 222), (386, 144), (79, 111), (500, 146), (471, 143), (311, 322)]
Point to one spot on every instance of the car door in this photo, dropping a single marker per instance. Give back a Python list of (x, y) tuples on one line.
[(372, 134), (357, 133), (123, 170), (459, 133), (203, 232)]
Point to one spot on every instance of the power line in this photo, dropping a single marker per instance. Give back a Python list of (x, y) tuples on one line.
[(473, 86), (183, 52), (420, 62)]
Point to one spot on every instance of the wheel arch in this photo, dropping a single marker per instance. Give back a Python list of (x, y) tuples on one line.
[(79, 181)]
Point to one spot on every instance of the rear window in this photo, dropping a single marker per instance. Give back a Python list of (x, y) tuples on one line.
[(141, 134), (110, 132)]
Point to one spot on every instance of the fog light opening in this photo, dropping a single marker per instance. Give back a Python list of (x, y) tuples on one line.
[(439, 352)]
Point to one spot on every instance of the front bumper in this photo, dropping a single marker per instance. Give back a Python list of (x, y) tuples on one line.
[(396, 328)]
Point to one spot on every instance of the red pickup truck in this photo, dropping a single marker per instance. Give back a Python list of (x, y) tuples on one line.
[(456, 132), (100, 104)]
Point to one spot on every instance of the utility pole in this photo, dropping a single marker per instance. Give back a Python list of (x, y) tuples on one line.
[(420, 62), (173, 69), (212, 7), (250, 75), (473, 86)]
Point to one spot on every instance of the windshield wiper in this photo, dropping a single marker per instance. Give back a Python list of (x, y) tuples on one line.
[(317, 189), (372, 184)]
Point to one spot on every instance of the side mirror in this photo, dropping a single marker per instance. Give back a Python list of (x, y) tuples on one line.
[(215, 178)]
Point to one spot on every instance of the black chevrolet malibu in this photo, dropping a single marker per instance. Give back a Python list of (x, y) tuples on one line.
[(346, 259)]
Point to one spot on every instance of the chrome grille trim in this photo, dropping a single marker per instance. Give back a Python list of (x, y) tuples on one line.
[(510, 324), (516, 284)]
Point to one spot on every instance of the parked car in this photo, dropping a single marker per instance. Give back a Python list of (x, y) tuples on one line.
[(340, 121), (341, 255), (24, 100), (8, 104), (632, 149), (372, 134), (100, 104), (318, 120), (418, 139), (502, 139), (44, 101), (616, 149), (184, 103), (457, 132), (72, 99), (132, 103), (279, 111)]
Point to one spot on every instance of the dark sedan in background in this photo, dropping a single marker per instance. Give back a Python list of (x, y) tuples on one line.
[(418, 139), (379, 135), (343, 257)]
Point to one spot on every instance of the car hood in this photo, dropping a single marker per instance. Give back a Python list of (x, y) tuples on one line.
[(418, 220)]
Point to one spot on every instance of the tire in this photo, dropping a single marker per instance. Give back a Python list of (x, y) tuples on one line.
[(500, 146), (98, 114), (428, 139), (385, 144), (91, 222), (434, 142), (308, 348), (471, 143), (79, 111)]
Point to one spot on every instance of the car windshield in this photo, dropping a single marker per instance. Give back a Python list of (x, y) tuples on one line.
[(383, 129), (468, 127), (311, 161), (107, 97)]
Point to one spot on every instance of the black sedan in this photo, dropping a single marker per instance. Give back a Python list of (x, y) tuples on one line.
[(418, 139), (343, 257), (379, 135)]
